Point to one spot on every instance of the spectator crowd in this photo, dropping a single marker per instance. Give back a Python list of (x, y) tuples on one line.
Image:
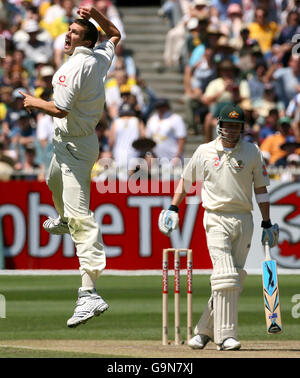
[(243, 52), (229, 51)]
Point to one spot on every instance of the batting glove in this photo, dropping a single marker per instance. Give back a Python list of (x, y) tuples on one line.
[(270, 233), (168, 221)]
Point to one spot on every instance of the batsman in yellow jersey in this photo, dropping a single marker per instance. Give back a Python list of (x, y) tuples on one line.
[(229, 169)]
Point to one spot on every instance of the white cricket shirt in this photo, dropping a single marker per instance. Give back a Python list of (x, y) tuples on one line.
[(165, 132), (227, 177), (78, 88), (127, 131)]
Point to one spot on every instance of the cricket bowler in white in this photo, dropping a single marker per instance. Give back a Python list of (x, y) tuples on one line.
[(78, 93), (229, 169)]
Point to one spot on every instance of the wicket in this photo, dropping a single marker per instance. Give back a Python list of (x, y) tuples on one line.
[(165, 291)]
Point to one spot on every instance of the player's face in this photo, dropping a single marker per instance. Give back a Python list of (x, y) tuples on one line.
[(74, 38), (230, 133)]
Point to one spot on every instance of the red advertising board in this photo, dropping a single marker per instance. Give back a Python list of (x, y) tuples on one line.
[(128, 222)]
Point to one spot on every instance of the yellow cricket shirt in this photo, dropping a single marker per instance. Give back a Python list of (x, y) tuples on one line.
[(227, 177), (264, 35)]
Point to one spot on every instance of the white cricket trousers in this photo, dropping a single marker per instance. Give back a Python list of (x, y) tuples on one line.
[(228, 241), (70, 182)]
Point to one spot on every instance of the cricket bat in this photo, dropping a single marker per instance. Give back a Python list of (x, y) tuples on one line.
[(271, 293)]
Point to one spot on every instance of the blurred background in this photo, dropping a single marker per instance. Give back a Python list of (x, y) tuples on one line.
[(178, 63)]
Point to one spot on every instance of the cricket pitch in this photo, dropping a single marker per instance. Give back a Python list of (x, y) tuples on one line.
[(154, 349)]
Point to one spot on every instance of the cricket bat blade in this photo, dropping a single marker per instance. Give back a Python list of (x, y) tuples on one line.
[(271, 294)]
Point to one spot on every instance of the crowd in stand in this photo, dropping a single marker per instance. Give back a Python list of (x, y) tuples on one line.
[(229, 51), (244, 52)]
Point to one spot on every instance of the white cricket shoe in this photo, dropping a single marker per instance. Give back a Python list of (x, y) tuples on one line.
[(89, 304), (199, 341), (229, 344), (56, 226)]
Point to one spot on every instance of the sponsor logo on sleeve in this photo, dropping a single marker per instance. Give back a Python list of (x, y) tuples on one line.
[(61, 80), (264, 170)]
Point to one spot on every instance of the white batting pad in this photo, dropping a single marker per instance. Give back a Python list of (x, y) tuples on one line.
[(225, 303), (225, 274)]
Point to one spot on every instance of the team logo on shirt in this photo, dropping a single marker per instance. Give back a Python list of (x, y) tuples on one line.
[(238, 165), (233, 114)]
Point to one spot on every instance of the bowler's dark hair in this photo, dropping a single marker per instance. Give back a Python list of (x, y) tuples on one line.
[(91, 32)]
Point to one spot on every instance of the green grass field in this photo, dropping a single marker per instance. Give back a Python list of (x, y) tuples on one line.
[(37, 307)]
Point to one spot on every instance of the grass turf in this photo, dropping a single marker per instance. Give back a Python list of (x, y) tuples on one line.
[(14, 352), (37, 307)]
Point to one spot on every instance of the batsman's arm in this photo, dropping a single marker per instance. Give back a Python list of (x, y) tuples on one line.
[(179, 194), (262, 199), (270, 232), (169, 219)]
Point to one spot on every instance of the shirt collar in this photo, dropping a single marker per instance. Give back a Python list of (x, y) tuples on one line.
[(82, 50), (219, 146)]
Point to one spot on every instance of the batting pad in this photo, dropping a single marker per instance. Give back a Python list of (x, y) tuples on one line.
[(225, 303), (225, 275)]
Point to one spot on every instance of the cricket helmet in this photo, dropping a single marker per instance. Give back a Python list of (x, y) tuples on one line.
[(232, 114)]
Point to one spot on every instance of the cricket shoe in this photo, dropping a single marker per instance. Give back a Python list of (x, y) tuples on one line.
[(199, 341), (229, 344), (89, 304), (56, 226)]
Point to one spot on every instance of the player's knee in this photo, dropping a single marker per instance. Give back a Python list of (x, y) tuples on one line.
[(225, 275)]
